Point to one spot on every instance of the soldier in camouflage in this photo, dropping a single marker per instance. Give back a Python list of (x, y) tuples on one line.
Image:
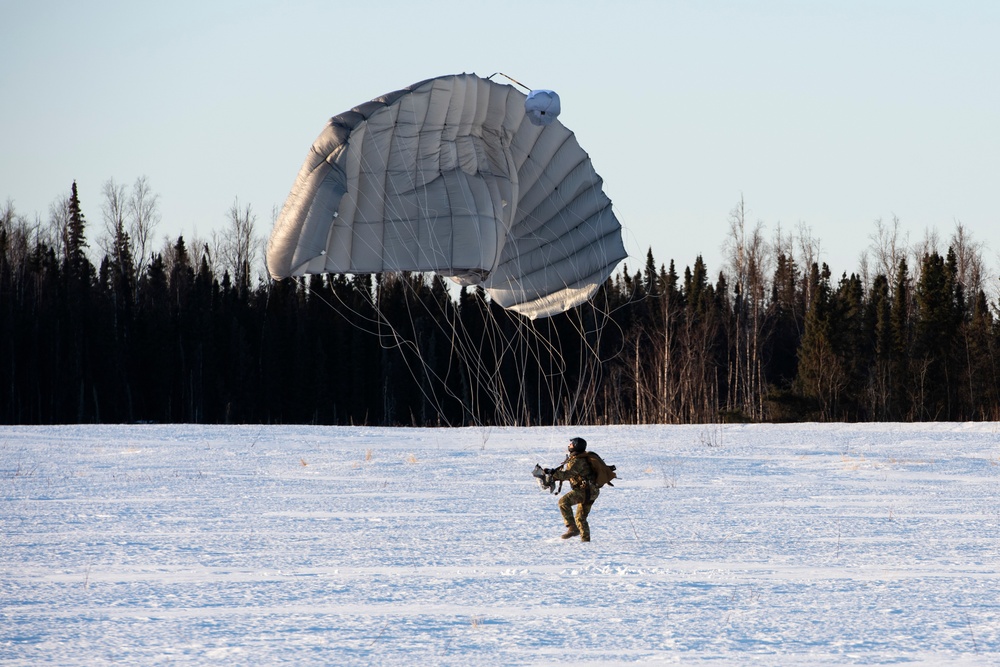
[(578, 471)]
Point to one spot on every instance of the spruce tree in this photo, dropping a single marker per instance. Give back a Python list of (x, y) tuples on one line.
[(821, 377), (851, 343), (935, 329), (901, 400), (879, 326)]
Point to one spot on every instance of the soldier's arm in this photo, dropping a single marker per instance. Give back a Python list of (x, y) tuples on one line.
[(575, 468)]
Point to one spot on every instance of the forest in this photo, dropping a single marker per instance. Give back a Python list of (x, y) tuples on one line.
[(196, 334)]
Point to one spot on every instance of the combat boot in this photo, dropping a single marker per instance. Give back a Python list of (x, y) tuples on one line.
[(571, 531), (585, 538)]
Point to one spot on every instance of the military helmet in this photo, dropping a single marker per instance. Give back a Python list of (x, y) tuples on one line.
[(578, 445)]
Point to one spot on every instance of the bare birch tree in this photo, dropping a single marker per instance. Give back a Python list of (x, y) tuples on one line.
[(969, 254), (810, 249), (144, 216), (927, 246), (59, 217), (130, 218), (748, 258), (888, 247), (20, 236), (114, 211), (237, 250)]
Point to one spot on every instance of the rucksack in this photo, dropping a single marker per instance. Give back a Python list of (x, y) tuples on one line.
[(602, 471)]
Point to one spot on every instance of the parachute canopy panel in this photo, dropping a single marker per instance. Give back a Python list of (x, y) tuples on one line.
[(452, 175)]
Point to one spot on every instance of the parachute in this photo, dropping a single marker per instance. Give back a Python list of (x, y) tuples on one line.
[(461, 176)]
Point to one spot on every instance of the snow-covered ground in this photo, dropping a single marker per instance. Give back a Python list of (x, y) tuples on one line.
[(731, 545)]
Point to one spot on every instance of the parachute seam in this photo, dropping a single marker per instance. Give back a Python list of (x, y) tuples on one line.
[(548, 185), (554, 184), (385, 186), (563, 200), (569, 255)]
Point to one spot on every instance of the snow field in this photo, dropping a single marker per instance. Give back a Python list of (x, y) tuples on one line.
[(772, 544)]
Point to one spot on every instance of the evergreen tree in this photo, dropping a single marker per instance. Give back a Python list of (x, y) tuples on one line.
[(936, 327), (822, 376), (851, 343), (79, 332), (980, 340), (78, 267), (900, 398), (879, 324), (786, 315)]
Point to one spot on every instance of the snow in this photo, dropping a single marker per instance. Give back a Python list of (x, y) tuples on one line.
[(720, 545)]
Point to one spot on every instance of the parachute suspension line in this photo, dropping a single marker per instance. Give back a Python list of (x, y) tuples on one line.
[(527, 343), (593, 344), (472, 363), (570, 398), (511, 403), (441, 319), (426, 388), (484, 383), (357, 315), (391, 337), (486, 398), (400, 342), (536, 347)]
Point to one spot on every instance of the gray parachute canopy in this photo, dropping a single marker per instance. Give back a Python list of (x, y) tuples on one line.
[(449, 175)]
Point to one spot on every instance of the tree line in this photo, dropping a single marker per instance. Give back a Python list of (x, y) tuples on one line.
[(195, 334)]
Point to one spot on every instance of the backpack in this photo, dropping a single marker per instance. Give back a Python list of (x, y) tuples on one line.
[(603, 473)]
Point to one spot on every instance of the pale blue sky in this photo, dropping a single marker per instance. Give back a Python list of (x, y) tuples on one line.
[(831, 114)]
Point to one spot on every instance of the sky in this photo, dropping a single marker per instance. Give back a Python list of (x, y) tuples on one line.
[(819, 116)]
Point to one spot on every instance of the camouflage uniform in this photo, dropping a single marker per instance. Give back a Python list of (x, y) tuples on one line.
[(584, 492)]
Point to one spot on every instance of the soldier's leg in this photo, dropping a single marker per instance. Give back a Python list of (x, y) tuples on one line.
[(566, 508), (583, 511)]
